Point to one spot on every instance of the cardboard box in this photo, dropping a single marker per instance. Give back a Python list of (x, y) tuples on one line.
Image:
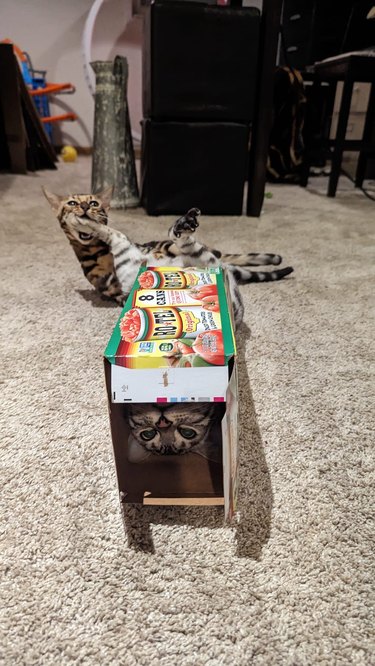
[(171, 378)]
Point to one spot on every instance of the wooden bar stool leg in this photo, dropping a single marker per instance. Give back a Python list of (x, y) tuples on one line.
[(367, 134), (340, 135)]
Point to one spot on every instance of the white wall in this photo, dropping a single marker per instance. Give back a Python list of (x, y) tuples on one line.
[(51, 32)]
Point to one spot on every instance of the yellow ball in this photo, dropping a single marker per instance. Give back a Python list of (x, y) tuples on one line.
[(69, 154)]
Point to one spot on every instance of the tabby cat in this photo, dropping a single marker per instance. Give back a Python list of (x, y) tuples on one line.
[(92, 253), (110, 261), (172, 429)]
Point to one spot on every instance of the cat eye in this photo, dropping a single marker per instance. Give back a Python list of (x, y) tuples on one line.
[(149, 434), (187, 433), (94, 204), (72, 203)]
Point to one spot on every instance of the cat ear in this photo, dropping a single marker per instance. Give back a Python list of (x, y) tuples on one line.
[(54, 199), (105, 196)]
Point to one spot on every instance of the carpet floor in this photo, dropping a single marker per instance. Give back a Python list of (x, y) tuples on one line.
[(292, 581)]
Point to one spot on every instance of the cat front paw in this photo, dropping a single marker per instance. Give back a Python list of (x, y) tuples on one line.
[(79, 224), (186, 224), (81, 229)]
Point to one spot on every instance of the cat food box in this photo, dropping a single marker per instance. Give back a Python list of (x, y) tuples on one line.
[(171, 377)]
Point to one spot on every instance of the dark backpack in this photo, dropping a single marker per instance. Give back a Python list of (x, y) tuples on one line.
[(285, 155)]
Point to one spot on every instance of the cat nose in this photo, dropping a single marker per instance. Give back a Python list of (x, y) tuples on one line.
[(85, 206)]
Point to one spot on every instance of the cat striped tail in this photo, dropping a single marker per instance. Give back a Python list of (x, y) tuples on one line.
[(244, 275), (250, 259)]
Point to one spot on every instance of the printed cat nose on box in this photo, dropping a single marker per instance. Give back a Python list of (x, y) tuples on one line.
[(162, 423), (174, 429)]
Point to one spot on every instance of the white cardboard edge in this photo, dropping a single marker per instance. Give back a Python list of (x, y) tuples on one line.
[(168, 384)]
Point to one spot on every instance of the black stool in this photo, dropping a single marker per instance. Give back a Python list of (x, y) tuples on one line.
[(349, 69)]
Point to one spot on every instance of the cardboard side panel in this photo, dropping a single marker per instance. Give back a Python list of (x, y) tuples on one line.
[(230, 446)]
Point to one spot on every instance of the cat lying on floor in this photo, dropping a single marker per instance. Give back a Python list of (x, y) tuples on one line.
[(110, 261)]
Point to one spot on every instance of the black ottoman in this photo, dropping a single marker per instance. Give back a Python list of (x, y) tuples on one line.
[(199, 61), (198, 164)]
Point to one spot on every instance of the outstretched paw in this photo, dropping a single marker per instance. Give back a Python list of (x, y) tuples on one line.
[(186, 224)]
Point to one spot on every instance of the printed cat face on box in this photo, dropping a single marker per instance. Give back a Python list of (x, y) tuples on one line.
[(171, 429)]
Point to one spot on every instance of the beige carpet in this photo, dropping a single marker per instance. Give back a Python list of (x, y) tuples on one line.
[(291, 583)]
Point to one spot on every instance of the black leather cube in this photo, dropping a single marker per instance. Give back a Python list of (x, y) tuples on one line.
[(193, 164), (199, 61)]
